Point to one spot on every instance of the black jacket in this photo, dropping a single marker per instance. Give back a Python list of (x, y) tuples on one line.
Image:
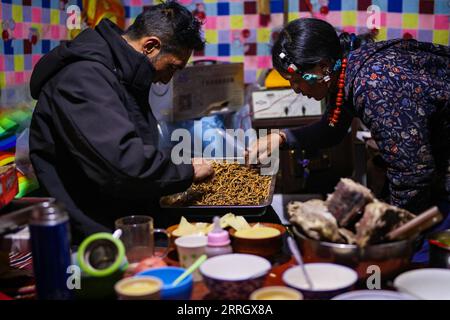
[(93, 138)]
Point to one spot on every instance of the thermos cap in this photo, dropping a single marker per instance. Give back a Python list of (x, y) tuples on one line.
[(47, 213)]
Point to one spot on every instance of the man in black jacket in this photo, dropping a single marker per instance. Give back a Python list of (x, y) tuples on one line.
[(94, 139)]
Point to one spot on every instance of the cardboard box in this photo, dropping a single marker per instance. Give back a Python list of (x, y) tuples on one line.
[(198, 91), (283, 103)]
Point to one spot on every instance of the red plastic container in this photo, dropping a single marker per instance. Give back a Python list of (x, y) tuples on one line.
[(9, 185)]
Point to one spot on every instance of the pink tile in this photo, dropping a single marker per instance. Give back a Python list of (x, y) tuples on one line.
[(350, 29), (136, 3), (19, 77), (251, 21), (334, 18), (383, 19), (265, 62), (441, 22), (211, 23), (223, 22), (394, 20), (19, 31), (2, 62), (36, 15), (251, 62), (426, 21), (54, 32), (36, 58)]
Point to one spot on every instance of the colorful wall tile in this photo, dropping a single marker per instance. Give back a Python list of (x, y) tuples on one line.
[(424, 20), (29, 30), (236, 30)]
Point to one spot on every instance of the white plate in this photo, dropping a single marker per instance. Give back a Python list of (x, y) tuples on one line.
[(373, 295), (428, 284)]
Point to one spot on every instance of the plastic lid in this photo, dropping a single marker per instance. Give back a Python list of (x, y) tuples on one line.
[(100, 254), (218, 237)]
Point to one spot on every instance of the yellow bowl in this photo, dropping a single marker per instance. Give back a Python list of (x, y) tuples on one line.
[(276, 293), (142, 288), (265, 247)]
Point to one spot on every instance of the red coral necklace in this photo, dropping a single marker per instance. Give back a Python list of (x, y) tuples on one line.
[(334, 117)]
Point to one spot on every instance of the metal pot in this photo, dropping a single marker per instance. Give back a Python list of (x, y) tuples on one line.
[(391, 258), (439, 252)]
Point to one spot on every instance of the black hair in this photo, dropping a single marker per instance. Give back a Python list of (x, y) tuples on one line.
[(307, 41), (173, 24)]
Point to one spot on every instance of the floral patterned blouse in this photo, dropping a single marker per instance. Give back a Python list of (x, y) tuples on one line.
[(400, 89)]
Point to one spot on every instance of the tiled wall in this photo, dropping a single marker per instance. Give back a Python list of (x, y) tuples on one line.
[(235, 30), (30, 28), (424, 20)]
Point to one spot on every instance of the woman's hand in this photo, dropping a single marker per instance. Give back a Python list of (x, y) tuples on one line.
[(202, 169), (263, 148)]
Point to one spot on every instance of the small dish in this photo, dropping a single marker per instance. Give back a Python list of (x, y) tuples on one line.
[(329, 280), (276, 293), (265, 247), (141, 288)]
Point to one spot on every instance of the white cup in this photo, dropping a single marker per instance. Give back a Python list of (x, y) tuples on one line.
[(190, 248)]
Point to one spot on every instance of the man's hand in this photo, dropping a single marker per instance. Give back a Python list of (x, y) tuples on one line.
[(263, 147), (202, 169)]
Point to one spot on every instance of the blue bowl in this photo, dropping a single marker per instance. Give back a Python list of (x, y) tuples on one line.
[(183, 291)]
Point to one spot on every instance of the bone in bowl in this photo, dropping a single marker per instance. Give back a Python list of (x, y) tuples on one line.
[(392, 257)]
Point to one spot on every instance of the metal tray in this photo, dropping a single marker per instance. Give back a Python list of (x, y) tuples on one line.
[(208, 211)]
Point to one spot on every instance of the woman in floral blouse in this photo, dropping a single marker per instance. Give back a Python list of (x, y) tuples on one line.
[(400, 89)]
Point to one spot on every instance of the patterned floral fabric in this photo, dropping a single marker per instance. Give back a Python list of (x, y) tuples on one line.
[(400, 89)]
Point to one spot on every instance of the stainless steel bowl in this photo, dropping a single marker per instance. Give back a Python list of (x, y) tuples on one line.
[(391, 258)]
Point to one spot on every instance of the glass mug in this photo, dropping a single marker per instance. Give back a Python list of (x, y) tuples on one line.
[(138, 237)]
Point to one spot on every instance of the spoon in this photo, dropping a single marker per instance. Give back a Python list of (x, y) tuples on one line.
[(117, 234), (190, 270), (298, 257)]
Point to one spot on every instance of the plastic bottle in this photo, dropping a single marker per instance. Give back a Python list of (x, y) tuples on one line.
[(218, 241)]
